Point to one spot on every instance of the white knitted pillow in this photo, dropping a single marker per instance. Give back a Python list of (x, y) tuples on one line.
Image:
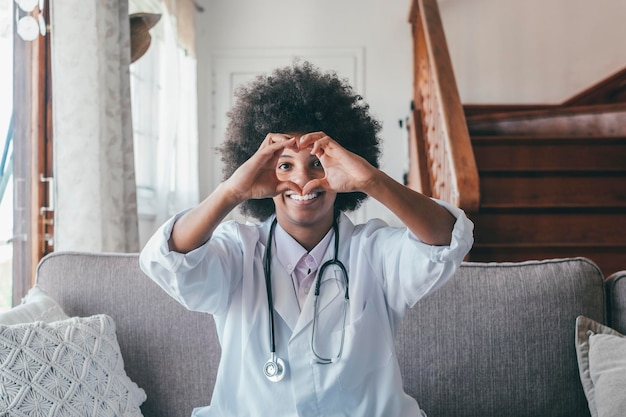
[(71, 367), (37, 305)]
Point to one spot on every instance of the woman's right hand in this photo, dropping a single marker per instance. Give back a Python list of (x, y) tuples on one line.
[(256, 178)]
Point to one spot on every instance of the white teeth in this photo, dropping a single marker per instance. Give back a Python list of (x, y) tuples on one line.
[(309, 196)]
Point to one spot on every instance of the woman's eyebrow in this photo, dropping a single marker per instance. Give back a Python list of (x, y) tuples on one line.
[(288, 156)]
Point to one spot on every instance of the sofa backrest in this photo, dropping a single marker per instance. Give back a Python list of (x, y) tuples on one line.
[(497, 340), (168, 351)]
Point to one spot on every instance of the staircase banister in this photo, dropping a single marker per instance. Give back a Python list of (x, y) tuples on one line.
[(460, 155)]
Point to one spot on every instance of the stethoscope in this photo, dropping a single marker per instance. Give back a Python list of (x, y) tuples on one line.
[(274, 369)]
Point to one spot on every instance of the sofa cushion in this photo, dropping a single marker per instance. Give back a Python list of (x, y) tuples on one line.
[(65, 368), (36, 306), (497, 340), (602, 364)]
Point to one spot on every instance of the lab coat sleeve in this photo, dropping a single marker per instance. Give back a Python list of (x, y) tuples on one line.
[(201, 280), (412, 269)]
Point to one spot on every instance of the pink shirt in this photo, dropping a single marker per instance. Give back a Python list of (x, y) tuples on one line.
[(300, 264)]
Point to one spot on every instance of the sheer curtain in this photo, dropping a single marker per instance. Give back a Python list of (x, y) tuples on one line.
[(164, 105), (96, 206)]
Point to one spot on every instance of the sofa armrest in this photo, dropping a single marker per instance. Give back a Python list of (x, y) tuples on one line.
[(616, 301)]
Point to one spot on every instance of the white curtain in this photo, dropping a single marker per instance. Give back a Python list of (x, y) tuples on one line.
[(164, 99), (96, 205)]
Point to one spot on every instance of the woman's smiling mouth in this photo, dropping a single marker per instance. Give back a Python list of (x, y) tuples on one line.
[(306, 197)]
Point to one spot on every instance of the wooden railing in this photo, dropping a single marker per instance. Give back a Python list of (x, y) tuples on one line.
[(439, 129)]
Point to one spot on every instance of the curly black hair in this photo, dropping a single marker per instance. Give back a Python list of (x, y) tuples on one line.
[(299, 98)]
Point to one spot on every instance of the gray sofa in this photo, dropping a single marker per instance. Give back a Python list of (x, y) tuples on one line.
[(498, 340)]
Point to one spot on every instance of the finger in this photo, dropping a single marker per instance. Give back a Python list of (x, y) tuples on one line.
[(308, 139), (320, 146), (286, 186), (317, 184), (273, 145), (278, 138)]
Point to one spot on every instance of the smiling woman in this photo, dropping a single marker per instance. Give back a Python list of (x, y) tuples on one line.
[(307, 288)]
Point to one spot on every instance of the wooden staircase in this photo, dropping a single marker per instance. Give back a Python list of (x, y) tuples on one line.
[(547, 191), (539, 182)]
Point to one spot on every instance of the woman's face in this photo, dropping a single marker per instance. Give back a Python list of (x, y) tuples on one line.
[(313, 210)]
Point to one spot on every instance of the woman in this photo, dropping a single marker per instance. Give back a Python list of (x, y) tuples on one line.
[(301, 335)]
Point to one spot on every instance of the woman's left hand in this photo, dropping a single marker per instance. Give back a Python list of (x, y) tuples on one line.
[(345, 171)]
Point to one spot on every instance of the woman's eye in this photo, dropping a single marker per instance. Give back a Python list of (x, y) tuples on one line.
[(283, 166), (317, 164)]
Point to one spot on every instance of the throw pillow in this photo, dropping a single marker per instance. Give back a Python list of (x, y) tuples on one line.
[(601, 353), (37, 305), (71, 367)]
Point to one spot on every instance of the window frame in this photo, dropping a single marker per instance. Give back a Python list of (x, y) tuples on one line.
[(33, 218)]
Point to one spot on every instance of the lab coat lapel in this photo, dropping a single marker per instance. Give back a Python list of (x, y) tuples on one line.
[(284, 297), (329, 291), (328, 294)]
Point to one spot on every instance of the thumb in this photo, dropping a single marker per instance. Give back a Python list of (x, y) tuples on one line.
[(316, 184), (287, 185)]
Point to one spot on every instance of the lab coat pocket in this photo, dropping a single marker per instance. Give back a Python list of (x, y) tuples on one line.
[(367, 348), (365, 351)]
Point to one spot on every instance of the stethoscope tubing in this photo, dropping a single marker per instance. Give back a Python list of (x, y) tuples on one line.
[(268, 287), (274, 368)]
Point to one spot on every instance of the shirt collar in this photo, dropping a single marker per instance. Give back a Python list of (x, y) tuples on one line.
[(289, 251)]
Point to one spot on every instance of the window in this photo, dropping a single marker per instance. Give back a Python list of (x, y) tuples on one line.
[(146, 89), (163, 93), (6, 154), (165, 132), (28, 78)]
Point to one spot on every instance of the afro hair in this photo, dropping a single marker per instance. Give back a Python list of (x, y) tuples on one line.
[(299, 98)]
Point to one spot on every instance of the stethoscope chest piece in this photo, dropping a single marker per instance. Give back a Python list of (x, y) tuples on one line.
[(274, 368)]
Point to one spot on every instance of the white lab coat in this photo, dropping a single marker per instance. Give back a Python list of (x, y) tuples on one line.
[(389, 270)]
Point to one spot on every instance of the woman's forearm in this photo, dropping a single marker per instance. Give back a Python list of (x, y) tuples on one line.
[(196, 226), (429, 221)]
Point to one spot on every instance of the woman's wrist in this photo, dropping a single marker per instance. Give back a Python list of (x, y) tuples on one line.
[(229, 194), (374, 182)]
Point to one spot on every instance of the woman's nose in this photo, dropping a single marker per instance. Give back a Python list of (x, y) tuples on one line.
[(301, 175)]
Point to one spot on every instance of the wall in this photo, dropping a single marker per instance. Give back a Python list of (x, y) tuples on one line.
[(378, 26), (533, 51), (503, 51)]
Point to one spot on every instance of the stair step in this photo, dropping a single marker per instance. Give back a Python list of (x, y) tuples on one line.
[(567, 121), (609, 259), (552, 184), (552, 190), (598, 228), (545, 153), (497, 113)]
